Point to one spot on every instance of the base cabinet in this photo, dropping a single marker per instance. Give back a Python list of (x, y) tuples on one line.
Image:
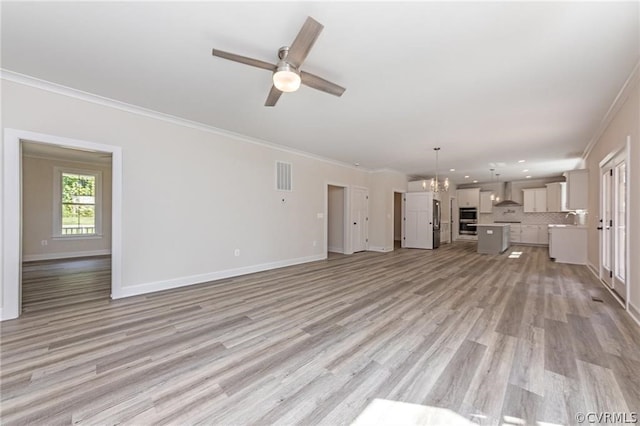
[(515, 233), (530, 234), (568, 244)]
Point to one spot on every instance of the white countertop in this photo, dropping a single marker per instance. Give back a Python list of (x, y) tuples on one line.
[(494, 224), (568, 226)]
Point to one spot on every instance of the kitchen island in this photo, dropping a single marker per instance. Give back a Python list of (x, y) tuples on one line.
[(493, 238)]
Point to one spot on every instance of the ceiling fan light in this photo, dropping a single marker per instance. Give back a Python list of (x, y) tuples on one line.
[(286, 79)]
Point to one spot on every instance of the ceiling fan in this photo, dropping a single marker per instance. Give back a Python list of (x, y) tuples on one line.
[(287, 75)]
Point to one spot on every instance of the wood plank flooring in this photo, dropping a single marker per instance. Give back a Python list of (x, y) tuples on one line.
[(51, 284), (484, 336)]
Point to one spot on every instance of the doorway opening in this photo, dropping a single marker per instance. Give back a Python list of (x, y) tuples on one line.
[(85, 228), (336, 220), (66, 223), (397, 220), (614, 192)]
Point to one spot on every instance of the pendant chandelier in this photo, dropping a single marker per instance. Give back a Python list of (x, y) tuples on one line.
[(436, 185)]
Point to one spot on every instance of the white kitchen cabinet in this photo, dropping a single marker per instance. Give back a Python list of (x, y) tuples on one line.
[(529, 234), (543, 234), (468, 197), (577, 189), (535, 200), (515, 232), (568, 244), (486, 203), (557, 197), (534, 234)]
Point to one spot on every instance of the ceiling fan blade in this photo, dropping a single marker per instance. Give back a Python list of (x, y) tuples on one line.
[(243, 59), (321, 84), (304, 41), (272, 98)]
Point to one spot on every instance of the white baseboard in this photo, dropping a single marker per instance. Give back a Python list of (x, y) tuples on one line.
[(380, 249), (2, 318), (145, 288), (593, 269), (64, 255), (336, 250), (634, 313)]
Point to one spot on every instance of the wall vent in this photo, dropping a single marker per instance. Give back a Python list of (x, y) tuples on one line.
[(283, 176)]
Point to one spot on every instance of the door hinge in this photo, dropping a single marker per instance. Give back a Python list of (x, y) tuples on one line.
[(610, 222), (611, 172), (366, 240), (367, 219), (610, 274)]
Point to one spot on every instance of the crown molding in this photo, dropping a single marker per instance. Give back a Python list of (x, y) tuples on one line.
[(48, 86), (617, 103)]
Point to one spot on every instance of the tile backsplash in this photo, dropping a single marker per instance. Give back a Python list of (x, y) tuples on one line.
[(516, 214)]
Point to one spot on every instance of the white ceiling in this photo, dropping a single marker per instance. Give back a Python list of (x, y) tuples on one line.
[(490, 83)]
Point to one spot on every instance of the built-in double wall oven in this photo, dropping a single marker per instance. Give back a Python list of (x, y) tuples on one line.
[(468, 221)]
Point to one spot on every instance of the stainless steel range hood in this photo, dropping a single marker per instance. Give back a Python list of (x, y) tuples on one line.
[(507, 199)]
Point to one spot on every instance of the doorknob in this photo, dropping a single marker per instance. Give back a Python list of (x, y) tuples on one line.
[(599, 228), (354, 223)]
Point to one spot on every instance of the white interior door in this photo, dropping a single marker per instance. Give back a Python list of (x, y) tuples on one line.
[(359, 218), (606, 223), (418, 226), (614, 224)]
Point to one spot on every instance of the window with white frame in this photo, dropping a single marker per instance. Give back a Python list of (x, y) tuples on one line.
[(77, 203)]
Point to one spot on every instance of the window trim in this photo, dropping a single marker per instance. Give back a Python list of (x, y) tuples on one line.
[(57, 203)]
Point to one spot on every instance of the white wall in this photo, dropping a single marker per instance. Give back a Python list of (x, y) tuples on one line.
[(381, 200), (192, 195), (626, 122), (37, 212), (336, 213)]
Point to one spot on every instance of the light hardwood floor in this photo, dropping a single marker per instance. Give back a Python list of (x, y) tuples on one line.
[(51, 284), (485, 336)]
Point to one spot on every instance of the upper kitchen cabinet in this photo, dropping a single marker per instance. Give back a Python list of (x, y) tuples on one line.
[(557, 197), (486, 203), (469, 197), (535, 200), (577, 189)]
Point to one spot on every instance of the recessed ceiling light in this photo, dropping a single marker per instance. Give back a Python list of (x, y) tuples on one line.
[(466, 177), (525, 170), (475, 181), (520, 161), (528, 177), (356, 164), (452, 170)]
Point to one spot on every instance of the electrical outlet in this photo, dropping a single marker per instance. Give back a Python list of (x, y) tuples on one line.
[(236, 252)]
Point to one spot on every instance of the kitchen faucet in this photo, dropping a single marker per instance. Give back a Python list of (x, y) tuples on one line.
[(575, 216)]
